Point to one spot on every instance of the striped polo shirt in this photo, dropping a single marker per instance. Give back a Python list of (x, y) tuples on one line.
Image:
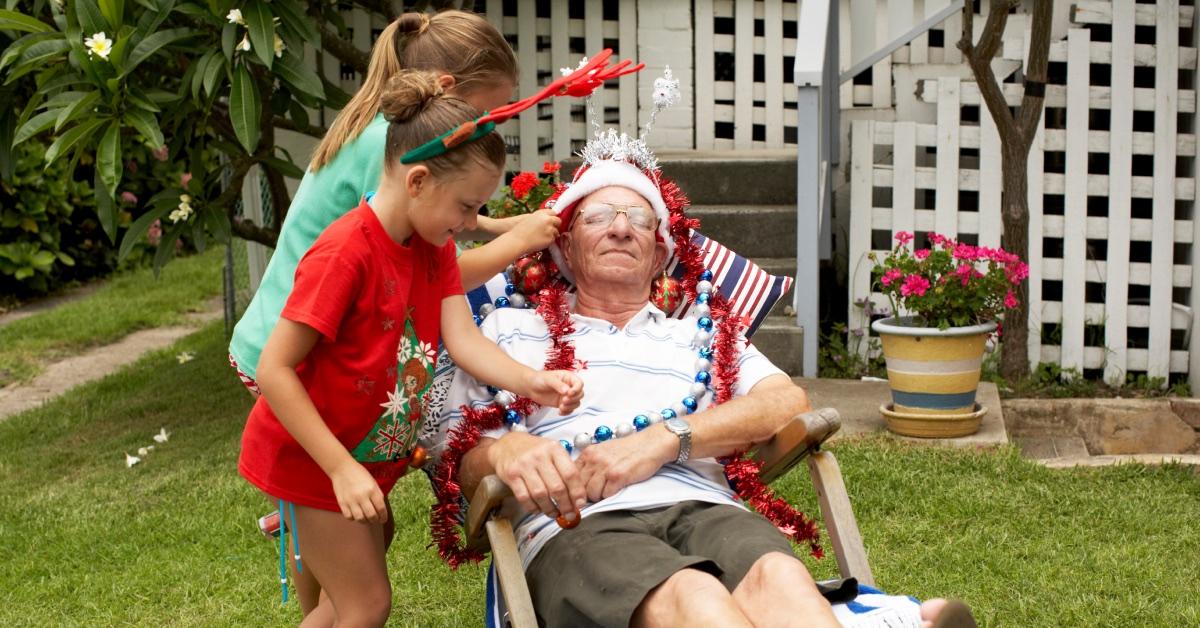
[(640, 369)]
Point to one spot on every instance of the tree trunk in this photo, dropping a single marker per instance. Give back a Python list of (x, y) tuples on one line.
[(1014, 201)]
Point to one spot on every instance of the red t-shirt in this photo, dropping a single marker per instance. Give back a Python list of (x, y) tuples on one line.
[(356, 286)]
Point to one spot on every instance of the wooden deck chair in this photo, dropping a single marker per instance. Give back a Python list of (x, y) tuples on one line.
[(799, 439)]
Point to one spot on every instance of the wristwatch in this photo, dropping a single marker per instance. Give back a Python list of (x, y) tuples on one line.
[(683, 430)]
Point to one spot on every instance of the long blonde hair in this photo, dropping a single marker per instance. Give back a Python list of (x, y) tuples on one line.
[(459, 43)]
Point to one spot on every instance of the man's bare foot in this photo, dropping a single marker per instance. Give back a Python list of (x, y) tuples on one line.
[(943, 613)]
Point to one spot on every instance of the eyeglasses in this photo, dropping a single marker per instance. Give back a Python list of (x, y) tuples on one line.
[(603, 215)]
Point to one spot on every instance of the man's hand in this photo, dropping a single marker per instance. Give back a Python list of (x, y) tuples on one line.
[(561, 389), (358, 493), (606, 468), (538, 470)]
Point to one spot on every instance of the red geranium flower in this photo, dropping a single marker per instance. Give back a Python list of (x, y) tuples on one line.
[(551, 167), (523, 183)]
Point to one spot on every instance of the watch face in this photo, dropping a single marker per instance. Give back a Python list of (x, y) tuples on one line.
[(678, 425)]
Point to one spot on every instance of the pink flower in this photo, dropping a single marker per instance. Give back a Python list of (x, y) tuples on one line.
[(936, 238), (1010, 300), (184, 179), (129, 197), (161, 152), (914, 284), (154, 233), (891, 275), (921, 253), (965, 272), (965, 252), (904, 237), (1017, 273), (131, 166)]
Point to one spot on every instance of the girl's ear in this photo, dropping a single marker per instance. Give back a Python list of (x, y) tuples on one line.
[(446, 82), (418, 179)]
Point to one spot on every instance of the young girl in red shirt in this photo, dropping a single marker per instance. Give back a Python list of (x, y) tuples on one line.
[(331, 362)]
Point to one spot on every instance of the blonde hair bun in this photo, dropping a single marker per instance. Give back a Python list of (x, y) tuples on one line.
[(408, 93)]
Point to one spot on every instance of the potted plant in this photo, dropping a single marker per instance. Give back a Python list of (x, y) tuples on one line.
[(948, 299)]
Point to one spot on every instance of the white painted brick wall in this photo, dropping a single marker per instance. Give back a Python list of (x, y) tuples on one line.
[(664, 37)]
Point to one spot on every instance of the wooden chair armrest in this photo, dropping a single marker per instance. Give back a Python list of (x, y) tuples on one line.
[(490, 494), (801, 436)]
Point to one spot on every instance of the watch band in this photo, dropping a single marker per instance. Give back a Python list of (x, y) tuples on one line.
[(684, 433)]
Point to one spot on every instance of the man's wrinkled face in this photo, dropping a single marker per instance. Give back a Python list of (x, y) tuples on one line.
[(611, 239)]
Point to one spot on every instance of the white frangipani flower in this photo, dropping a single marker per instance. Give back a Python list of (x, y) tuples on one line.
[(245, 43), (182, 213), (235, 17), (279, 47), (185, 356), (162, 436), (131, 460), (98, 45)]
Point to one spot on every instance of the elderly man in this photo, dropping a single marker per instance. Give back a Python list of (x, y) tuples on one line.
[(663, 540)]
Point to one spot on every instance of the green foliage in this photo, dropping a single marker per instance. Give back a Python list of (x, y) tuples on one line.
[(949, 284), (1049, 380), (840, 356), (106, 82), (526, 192)]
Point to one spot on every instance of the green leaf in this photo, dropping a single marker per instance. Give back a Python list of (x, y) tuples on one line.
[(298, 113), (152, 44), (335, 96), (91, 20), (217, 223), (147, 125), (114, 11), (213, 74), (293, 70), (108, 159), (34, 57), (139, 99), (166, 246), (284, 167), (228, 41), (35, 125), (106, 207), (17, 48), (138, 229), (245, 109), (198, 238), (13, 21), (77, 109), (198, 76), (153, 18), (293, 16), (67, 141), (65, 79), (262, 30)]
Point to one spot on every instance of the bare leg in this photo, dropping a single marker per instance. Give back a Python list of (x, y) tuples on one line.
[(346, 559), (778, 591), (689, 598)]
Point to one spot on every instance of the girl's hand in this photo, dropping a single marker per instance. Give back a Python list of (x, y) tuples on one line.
[(358, 494), (562, 389), (536, 230)]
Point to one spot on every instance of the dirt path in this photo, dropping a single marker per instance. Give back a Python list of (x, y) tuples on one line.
[(98, 362)]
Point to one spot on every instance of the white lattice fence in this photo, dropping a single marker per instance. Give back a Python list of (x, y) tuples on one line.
[(1112, 191), (554, 38)]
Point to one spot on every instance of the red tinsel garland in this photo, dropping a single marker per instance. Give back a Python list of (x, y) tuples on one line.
[(551, 302)]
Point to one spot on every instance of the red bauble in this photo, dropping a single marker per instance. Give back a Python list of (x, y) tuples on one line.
[(530, 275), (666, 294)]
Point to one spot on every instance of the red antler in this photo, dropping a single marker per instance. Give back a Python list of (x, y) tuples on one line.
[(582, 82)]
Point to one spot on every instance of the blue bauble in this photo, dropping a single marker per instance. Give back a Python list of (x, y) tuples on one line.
[(706, 353), (509, 289), (641, 422), (478, 321), (667, 414), (704, 323), (706, 275), (703, 377), (702, 297), (603, 433), (512, 417), (502, 301), (566, 445), (690, 404)]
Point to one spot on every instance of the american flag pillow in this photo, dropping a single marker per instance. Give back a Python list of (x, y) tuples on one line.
[(752, 291)]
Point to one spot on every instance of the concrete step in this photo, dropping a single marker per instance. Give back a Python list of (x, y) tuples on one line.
[(1045, 447), (782, 342), (728, 177), (755, 231)]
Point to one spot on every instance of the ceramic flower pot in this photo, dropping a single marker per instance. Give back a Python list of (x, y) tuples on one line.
[(933, 374)]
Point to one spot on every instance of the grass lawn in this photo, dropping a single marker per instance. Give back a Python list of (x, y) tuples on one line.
[(86, 541), (125, 303)]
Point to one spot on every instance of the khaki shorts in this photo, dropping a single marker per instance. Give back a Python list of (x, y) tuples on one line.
[(598, 573)]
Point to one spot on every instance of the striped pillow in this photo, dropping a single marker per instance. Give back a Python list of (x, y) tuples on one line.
[(752, 291)]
